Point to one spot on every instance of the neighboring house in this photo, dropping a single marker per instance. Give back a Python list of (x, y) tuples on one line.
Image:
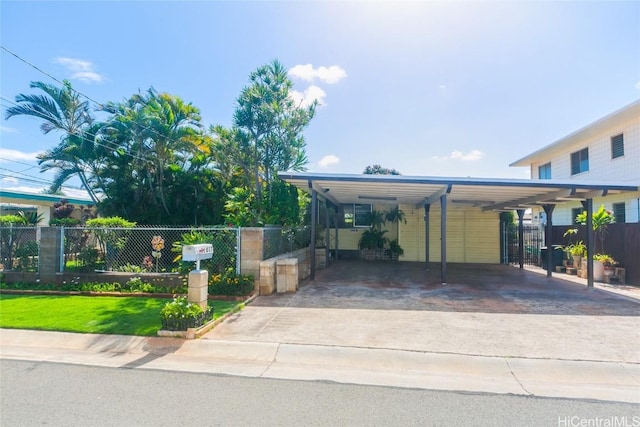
[(11, 202), (607, 150)]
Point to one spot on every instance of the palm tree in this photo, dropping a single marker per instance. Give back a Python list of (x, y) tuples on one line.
[(161, 132), (62, 109)]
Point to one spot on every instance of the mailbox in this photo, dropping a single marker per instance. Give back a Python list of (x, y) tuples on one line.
[(197, 253)]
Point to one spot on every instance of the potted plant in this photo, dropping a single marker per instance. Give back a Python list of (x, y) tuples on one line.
[(602, 265), (577, 251), (395, 250), (371, 243)]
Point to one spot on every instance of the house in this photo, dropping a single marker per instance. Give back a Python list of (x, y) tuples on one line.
[(11, 202), (607, 150)]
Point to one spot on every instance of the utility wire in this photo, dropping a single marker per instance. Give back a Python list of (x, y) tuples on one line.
[(112, 147), (75, 90)]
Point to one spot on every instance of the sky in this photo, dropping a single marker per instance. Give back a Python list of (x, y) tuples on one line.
[(427, 88)]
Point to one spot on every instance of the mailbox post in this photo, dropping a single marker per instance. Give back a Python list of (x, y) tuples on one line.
[(198, 279)]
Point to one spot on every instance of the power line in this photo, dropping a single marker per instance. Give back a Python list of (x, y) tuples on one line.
[(112, 147), (75, 90), (45, 73), (34, 179), (20, 163)]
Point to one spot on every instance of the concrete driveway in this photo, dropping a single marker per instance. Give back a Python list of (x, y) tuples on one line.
[(487, 310)]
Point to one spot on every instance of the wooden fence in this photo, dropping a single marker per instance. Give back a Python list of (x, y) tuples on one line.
[(622, 242)]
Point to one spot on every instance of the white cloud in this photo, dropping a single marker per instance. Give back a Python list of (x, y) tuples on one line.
[(8, 129), (310, 94), (638, 85), (330, 75), (329, 160), (8, 154), (471, 156), (81, 70)]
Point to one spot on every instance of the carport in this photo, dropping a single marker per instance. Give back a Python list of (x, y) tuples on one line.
[(485, 194)]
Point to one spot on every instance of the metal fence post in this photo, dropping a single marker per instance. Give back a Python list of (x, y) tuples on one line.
[(238, 250), (62, 263)]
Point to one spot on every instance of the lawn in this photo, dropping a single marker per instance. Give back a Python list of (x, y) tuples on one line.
[(97, 315)]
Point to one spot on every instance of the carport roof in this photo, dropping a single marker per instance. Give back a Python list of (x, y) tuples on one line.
[(486, 193)]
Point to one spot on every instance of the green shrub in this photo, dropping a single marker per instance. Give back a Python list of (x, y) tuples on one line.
[(179, 314), (12, 219), (64, 222)]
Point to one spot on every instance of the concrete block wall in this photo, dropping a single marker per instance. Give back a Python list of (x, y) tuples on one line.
[(251, 246), (50, 253), (275, 276)]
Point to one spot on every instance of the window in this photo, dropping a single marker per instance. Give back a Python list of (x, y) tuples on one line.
[(617, 146), (574, 213), (619, 211), (580, 161), (544, 171), (355, 215)]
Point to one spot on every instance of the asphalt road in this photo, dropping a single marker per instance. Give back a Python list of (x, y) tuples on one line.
[(42, 393)]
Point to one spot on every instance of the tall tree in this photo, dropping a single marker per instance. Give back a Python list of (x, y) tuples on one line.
[(156, 135), (379, 170), (61, 109), (266, 136)]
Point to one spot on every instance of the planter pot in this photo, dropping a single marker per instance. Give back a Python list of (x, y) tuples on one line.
[(182, 324), (576, 261), (598, 271)]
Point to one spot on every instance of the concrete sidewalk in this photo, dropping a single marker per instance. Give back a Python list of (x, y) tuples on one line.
[(612, 381)]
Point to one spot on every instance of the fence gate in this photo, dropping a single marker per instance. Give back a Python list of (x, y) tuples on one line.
[(533, 241)]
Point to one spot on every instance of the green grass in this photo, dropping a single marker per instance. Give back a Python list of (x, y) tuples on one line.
[(97, 315)]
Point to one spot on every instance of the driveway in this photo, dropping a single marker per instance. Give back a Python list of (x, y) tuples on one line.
[(488, 310)]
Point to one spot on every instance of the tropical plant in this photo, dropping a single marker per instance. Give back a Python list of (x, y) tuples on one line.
[(372, 238), (395, 249), (577, 249), (605, 259), (30, 218), (266, 137), (601, 220), (157, 137), (395, 215), (61, 109)]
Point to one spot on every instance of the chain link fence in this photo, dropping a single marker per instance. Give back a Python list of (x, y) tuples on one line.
[(18, 248), (142, 249), (147, 249), (280, 240)]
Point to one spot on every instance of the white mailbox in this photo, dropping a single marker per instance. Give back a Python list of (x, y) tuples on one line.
[(197, 253)]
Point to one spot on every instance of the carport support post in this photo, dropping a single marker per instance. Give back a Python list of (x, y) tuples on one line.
[(336, 213), (426, 235), (314, 219), (588, 206), (327, 232), (548, 209), (520, 237), (443, 238)]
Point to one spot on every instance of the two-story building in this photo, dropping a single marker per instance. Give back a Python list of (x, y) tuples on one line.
[(607, 150)]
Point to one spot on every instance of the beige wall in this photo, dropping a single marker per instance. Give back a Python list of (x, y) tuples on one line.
[(473, 236)]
